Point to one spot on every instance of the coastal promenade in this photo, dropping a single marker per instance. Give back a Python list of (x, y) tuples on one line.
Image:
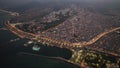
[(52, 42)]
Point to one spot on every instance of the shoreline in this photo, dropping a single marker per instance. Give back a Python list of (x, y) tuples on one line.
[(50, 58)]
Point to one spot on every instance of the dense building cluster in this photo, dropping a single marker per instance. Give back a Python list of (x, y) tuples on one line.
[(81, 27), (73, 24), (109, 43)]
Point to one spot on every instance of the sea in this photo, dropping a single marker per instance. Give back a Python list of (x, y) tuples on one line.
[(10, 58)]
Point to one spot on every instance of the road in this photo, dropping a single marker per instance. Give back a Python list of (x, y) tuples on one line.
[(50, 41), (57, 43), (95, 39)]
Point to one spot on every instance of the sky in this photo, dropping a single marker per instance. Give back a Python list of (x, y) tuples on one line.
[(28, 1), (109, 4), (61, 0)]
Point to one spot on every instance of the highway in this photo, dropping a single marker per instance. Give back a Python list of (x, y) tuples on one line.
[(57, 43), (95, 39)]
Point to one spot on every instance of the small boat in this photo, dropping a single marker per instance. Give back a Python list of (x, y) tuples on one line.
[(36, 48), (30, 42)]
